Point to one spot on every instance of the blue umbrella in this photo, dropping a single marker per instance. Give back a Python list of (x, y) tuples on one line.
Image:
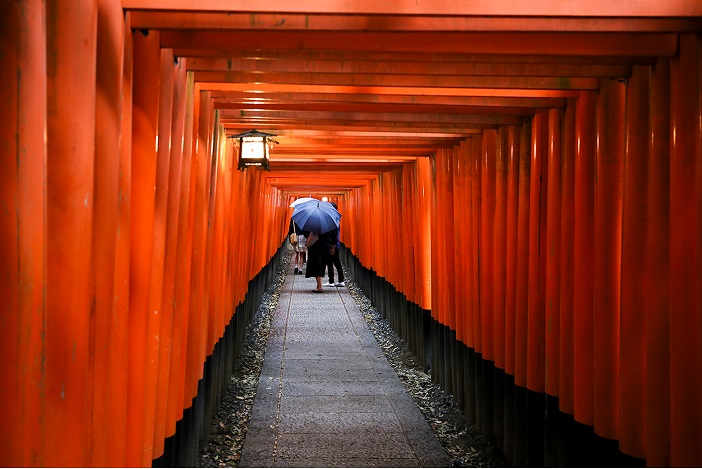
[(316, 216), (302, 200)]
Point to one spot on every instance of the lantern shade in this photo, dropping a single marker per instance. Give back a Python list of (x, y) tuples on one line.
[(253, 149)]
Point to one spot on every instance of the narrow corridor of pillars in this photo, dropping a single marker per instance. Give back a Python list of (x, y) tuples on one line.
[(541, 272)]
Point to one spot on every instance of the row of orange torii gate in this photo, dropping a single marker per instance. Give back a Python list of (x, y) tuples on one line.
[(564, 255)]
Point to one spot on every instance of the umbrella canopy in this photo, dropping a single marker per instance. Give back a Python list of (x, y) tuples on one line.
[(316, 216), (302, 200)]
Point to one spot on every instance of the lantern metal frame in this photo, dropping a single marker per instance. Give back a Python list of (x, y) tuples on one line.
[(257, 142)]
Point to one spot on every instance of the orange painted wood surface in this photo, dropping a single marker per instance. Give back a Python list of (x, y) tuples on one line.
[(22, 232), (68, 378), (607, 265), (685, 256), (141, 378)]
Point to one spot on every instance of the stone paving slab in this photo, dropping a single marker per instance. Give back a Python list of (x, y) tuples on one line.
[(327, 396)]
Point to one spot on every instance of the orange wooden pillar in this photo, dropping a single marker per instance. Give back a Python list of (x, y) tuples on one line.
[(686, 256), (175, 239), (552, 204), (512, 158), (607, 259), (159, 319), (536, 324), (409, 209), (22, 227), (144, 162), (487, 224), (461, 243), (521, 313), (632, 409), (67, 380), (476, 183), (522, 269), (583, 246), (424, 225), (567, 229), (197, 327), (552, 288), (119, 342), (657, 281), (511, 252), (499, 259), (538, 196), (108, 139)]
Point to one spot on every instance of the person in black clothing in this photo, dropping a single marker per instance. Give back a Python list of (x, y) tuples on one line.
[(318, 255), (334, 260)]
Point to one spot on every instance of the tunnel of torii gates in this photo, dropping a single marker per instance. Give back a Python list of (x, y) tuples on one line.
[(520, 184)]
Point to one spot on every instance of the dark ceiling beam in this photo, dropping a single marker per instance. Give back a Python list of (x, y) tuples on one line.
[(489, 92), (423, 81), (374, 108), (393, 68), (235, 99), (466, 42), (321, 22)]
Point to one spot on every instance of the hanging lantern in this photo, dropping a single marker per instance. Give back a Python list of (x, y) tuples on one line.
[(254, 149)]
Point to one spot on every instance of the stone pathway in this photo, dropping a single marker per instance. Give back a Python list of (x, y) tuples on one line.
[(327, 396)]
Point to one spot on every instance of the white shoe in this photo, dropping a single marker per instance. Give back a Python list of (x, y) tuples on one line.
[(328, 284), (339, 284)]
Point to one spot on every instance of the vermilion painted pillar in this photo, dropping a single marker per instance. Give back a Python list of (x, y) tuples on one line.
[(499, 248), (476, 181), (108, 138), (611, 114), (513, 156), (206, 191), (487, 224), (22, 227), (450, 279), (461, 227), (157, 371), (537, 214), (567, 220), (552, 329), (215, 249), (685, 256), (424, 225), (144, 135), (172, 288), (185, 241), (519, 441), (468, 257), (409, 209), (657, 281), (521, 320), (120, 305), (67, 380), (583, 246), (197, 326), (632, 409), (461, 211)]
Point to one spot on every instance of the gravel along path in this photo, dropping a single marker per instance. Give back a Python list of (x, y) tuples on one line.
[(461, 441)]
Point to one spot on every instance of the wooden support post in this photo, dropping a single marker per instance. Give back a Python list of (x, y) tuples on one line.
[(141, 391), (607, 256), (22, 229)]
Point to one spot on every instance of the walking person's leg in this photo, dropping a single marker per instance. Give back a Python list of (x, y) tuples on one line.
[(339, 269), (330, 268)]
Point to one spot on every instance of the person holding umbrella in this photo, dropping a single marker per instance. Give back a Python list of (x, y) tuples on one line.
[(319, 222), (335, 261)]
